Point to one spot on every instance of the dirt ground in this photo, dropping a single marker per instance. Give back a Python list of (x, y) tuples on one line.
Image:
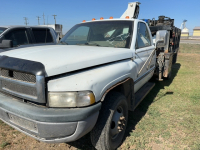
[(168, 118)]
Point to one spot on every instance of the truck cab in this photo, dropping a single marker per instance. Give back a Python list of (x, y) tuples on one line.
[(130, 36)]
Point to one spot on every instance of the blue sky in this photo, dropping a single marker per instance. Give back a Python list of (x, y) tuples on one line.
[(70, 12)]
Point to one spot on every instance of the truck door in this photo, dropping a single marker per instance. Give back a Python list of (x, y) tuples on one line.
[(143, 48)]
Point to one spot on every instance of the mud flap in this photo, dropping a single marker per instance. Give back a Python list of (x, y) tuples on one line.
[(167, 64)]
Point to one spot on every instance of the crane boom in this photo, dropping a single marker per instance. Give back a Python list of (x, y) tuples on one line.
[(132, 11)]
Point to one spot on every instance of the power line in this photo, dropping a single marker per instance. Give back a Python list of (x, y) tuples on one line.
[(38, 20), (43, 18), (26, 21), (47, 19), (54, 18)]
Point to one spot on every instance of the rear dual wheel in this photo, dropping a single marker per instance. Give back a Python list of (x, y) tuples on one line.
[(110, 128)]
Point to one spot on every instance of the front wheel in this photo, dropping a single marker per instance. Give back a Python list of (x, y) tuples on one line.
[(109, 130)]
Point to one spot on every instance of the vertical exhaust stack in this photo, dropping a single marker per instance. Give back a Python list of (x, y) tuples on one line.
[(132, 11)]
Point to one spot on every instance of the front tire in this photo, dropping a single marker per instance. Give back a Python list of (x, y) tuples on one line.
[(109, 130)]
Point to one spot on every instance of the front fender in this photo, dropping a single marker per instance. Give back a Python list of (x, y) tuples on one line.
[(97, 79)]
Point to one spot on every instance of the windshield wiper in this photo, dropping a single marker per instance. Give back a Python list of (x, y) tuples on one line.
[(62, 42), (92, 44)]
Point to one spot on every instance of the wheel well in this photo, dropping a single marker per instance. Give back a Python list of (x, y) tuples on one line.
[(125, 87)]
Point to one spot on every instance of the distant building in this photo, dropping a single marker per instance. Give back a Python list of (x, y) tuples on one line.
[(196, 32), (185, 33), (184, 30), (57, 28)]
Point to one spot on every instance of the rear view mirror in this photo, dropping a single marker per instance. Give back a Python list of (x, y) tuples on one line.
[(161, 38), (6, 44)]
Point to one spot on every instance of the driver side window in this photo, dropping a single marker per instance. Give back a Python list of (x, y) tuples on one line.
[(143, 36), (18, 37)]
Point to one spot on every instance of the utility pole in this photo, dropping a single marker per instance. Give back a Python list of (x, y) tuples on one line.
[(26, 21), (54, 18), (38, 20), (43, 18)]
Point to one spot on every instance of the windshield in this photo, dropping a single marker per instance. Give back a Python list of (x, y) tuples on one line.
[(2, 29), (100, 33)]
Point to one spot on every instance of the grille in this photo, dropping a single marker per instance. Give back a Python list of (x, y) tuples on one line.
[(21, 89), (18, 75)]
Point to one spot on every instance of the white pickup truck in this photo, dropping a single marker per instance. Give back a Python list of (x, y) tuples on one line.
[(87, 83)]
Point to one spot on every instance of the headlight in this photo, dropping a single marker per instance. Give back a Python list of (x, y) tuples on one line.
[(70, 99)]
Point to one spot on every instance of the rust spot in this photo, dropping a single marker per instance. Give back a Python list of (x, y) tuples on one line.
[(114, 87)]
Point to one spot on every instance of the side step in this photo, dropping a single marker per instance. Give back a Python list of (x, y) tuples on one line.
[(142, 92)]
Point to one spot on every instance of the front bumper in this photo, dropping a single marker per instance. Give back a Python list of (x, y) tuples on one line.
[(53, 125)]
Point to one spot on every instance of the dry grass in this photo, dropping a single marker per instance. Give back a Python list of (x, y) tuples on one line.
[(168, 118), (190, 48)]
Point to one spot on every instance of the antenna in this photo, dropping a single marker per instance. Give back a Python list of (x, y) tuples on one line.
[(26, 21), (43, 18), (38, 20), (54, 18)]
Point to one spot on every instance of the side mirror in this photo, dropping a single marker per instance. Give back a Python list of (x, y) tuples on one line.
[(6, 44), (161, 38)]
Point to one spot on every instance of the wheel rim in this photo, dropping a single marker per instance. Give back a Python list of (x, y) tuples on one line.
[(118, 123)]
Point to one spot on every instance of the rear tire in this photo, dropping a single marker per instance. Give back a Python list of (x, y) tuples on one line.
[(109, 130)]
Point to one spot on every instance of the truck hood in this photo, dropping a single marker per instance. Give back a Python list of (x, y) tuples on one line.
[(59, 59)]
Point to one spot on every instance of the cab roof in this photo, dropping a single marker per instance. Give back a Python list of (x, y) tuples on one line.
[(114, 19), (18, 26)]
